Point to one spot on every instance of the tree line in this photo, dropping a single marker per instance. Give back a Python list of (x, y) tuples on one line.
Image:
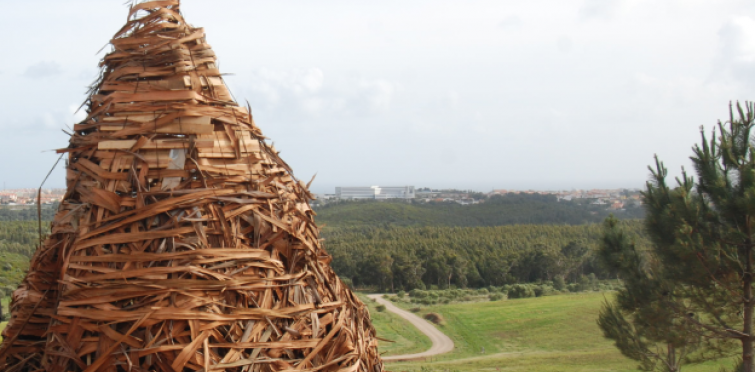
[(28, 213), (404, 258), (498, 210)]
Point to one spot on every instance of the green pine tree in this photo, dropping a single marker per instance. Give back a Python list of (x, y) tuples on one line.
[(703, 235), (639, 321)]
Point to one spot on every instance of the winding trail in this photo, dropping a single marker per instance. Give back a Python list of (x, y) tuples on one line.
[(441, 343)]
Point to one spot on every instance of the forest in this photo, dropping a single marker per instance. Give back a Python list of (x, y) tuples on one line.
[(404, 258), (497, 210), (516, 238), (28, 214), (512, 238)]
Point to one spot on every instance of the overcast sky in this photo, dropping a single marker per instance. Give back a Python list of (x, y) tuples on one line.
[(464, 94)]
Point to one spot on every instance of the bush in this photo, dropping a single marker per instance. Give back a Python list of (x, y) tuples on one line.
[(415, 309), (380, 308), (418, 293), (521, 291), (401, 294), (496, 297), (559, 283), (435, 318), (482, 291), (539, 290)]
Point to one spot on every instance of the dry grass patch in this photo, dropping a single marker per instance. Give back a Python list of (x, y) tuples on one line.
[(435, 318)]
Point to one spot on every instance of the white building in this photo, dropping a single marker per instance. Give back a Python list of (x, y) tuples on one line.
[(375, 192)]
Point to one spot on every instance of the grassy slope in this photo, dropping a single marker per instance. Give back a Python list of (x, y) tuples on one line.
[(407, 339), (555, 333)]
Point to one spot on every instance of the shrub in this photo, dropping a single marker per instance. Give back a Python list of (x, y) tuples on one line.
[(415, 309), (496, 297), (418, 293), (380, 308), (520, 291), (482, 291), (435, 318), (401, 294), (539, 290), (559, 283)]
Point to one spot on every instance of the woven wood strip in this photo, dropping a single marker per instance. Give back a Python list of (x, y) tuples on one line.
[(184, 243)]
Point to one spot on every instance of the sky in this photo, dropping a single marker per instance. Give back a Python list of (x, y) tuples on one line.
[(537, 94)]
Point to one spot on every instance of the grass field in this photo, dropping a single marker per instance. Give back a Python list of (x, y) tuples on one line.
[(550, 334), (553, 333), (406, 339)]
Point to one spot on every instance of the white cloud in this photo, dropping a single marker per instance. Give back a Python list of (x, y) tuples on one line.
[(511, 23), (605, 9), (42, 70), (378, 94), (737, 58), (565, 44), (303, 93), (738, 39)]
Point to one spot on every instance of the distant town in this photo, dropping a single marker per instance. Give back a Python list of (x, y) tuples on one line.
[(22, 197), (616, 199), (612, 198)]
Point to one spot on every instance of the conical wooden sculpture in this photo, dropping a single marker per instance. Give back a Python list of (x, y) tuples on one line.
[(184, 242)]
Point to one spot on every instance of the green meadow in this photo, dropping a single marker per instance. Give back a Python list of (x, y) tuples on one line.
[(552, 333), (404, 338)]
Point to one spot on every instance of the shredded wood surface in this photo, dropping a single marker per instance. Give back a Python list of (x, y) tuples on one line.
[(184, 243)]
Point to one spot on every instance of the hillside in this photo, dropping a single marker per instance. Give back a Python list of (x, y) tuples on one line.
[(499, 210), (552, 333)]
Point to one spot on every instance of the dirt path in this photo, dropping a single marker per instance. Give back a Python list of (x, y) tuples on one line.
[(441, 342)]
